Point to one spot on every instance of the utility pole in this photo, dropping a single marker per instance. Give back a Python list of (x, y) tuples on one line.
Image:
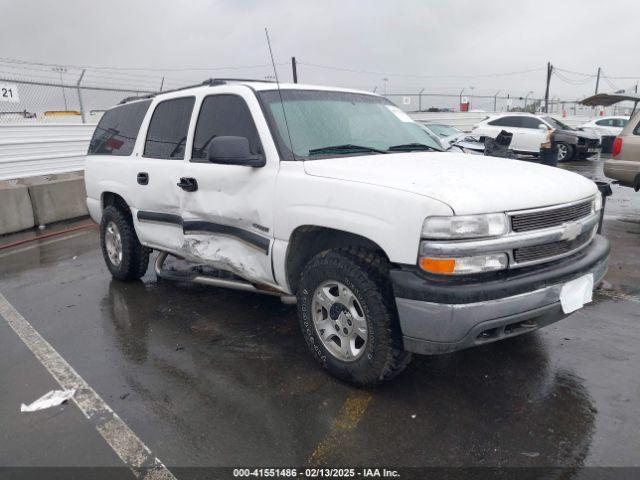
[(495, 101), (420, 100), (598, 80), (162, 84), (294, 69), (546, 91)]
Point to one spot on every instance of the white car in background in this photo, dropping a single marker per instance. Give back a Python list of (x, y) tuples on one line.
[(530, 131), (606, 126)]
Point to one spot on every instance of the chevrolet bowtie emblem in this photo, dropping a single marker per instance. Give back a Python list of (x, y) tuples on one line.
[(571, 231)]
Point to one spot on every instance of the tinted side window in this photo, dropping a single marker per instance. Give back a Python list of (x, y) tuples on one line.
[(619, 122), (167, 132), (529, 122), (117, 130), (604, 123), (506, 122), (223, 115)]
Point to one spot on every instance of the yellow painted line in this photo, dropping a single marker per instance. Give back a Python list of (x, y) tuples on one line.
[(347, 419)]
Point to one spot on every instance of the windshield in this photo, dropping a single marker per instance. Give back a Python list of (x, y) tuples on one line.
[(557, 124), (333, 124), (443, 131)]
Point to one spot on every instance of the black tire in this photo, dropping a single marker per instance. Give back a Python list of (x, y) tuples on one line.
[(565, 147), (364, 273), (135, 256)]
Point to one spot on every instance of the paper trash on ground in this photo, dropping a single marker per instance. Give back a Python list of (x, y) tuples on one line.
[(48, 400)]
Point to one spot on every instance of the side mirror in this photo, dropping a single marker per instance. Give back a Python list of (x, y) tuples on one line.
[(543, 127), (234, 151)]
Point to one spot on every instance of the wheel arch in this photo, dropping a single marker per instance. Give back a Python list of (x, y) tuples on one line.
[(116, 200), (307, 241)]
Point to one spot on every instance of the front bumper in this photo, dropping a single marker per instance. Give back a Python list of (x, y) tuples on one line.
[(588, 149), (440, 315)]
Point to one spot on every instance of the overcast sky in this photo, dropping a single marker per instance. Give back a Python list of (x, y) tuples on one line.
[(423, 38)]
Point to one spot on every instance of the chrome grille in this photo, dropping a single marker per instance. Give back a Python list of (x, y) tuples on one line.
[(525, 222), (549, 250)]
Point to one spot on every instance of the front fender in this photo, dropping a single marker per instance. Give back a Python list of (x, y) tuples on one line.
[(388, 217)]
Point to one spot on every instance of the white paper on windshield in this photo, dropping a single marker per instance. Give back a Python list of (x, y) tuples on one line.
[(576, 293), (399, 113)]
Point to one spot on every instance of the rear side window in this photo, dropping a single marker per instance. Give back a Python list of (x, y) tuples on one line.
[(530, 122), (167, 133), (506, 122), (117, 130), (223, 115), (605, 123)]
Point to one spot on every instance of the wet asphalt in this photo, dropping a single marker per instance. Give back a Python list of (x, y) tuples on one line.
[(211, 377)]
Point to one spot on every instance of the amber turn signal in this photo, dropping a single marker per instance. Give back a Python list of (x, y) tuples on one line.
[(438, 265)]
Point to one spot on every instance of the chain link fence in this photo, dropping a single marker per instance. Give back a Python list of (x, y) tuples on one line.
[(45, 93), (36, 101), (439, 102)]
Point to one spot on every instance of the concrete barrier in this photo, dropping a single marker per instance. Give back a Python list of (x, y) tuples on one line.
[(57, 197), (16, 213)]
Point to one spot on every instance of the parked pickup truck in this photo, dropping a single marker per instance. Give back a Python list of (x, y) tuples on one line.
[(334, 200)]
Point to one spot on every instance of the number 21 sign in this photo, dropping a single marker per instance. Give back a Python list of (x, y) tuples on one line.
[(9, 93)]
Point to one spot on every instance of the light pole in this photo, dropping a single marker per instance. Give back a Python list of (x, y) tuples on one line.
[(495, 101), (420, 100), (527, 98), (62, 70)]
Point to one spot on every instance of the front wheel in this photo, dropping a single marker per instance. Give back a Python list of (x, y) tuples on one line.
[(565, 151), (348, 317)]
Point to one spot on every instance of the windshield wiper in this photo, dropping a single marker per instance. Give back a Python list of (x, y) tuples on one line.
[(411, 147), (346, 148)]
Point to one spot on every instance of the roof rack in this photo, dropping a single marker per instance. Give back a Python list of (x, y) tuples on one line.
[(210, 82), (222, 81)]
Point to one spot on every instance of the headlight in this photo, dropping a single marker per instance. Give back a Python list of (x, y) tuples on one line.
[(465, 226), (597, 203), (464, 265)]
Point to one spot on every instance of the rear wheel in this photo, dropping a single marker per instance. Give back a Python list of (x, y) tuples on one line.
[(565, 151), (348, 317), (125, 256)]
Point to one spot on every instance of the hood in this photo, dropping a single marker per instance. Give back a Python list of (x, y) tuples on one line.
[(580, 133), (467, 183)]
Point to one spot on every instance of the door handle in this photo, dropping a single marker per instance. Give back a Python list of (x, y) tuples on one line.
[(143, 178), (188, 184)]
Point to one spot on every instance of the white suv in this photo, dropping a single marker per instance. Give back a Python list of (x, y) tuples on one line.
[(335, 200)]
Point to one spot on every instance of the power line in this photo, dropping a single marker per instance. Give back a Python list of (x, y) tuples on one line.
[(148, 69), (369, 72)]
